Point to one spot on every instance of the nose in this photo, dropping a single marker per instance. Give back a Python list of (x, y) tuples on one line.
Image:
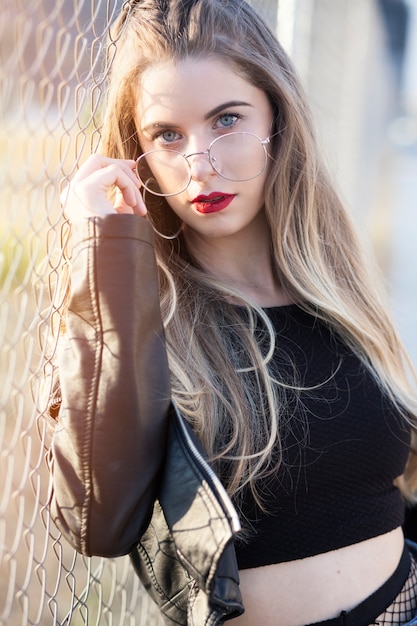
[(200, 166)]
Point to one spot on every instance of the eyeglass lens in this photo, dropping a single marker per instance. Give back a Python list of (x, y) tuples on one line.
[(236, 156)]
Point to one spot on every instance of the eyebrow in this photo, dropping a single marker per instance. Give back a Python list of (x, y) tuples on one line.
[(226, 105), (207, 116)]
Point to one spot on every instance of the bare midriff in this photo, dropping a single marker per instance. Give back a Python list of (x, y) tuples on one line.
[(319, 587)]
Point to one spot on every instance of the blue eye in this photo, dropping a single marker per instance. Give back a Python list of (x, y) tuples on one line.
[(169, 136), (228, 119)]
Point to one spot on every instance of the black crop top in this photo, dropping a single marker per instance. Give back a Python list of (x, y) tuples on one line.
[(345, 447)]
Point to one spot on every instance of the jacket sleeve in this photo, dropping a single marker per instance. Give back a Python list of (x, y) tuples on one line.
[(109, 442)]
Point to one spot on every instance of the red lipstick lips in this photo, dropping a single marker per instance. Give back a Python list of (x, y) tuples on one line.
[(212, 203)]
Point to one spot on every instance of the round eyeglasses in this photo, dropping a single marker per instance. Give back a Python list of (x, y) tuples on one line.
[(237, 156)]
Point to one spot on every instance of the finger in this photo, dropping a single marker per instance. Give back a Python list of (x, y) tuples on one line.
[(97, 162), (87, 196), (125, 202), (127, 188), (110, 168)]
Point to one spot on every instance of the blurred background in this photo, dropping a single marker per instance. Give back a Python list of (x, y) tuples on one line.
[(358, 63)]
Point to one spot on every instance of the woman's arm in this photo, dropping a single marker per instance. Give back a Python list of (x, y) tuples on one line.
[(109, 442)]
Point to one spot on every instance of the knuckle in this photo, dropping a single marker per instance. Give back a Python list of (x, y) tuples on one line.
[(95, 158)]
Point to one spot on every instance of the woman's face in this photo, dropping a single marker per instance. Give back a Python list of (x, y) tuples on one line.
[(184, 107)]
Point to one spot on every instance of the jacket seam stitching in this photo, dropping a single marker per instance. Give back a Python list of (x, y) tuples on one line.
[(92, 396), (168, 601)]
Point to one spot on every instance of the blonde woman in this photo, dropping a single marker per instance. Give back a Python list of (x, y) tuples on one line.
[(223, 316)]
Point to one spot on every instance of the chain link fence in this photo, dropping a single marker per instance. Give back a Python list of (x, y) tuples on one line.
[(51, 83), (50, 87)]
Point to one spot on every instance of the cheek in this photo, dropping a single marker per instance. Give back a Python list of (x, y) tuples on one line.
[(177, 206), (255, 191)]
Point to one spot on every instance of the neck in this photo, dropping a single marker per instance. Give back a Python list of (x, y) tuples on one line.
[(244, 261)]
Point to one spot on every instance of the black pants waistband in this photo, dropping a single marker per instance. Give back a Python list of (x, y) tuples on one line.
[(367, 611)]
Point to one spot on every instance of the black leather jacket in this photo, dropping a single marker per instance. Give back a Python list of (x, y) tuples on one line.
[(129, 475)]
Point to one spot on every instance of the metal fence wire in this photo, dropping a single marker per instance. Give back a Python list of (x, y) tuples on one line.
[(51, 84)]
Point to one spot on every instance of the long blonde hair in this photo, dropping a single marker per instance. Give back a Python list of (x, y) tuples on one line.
[(220, 374)]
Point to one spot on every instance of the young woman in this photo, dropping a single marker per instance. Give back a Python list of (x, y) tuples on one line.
[(274, 344)]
